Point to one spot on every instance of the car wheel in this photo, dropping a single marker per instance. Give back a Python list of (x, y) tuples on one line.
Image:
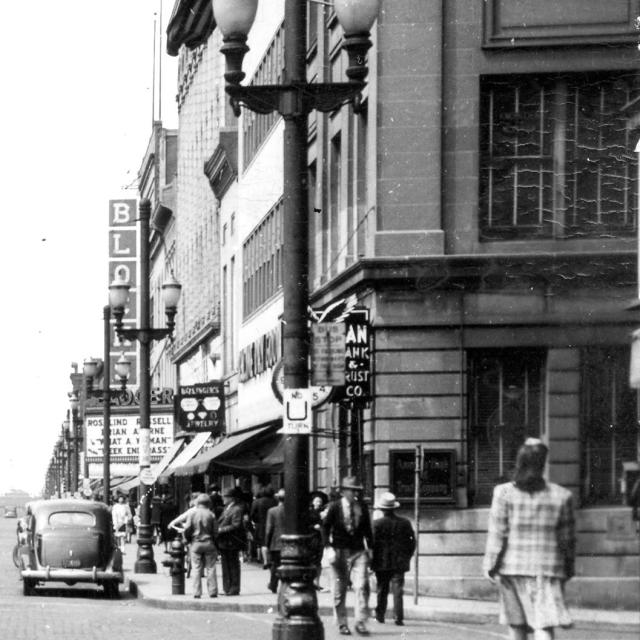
[(111, 590), (28, 587)]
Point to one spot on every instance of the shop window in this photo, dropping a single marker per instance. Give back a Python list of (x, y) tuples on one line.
[(608, 423), (506, 406), (558, 156)]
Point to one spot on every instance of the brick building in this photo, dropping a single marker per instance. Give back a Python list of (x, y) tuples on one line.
[(483, 207)]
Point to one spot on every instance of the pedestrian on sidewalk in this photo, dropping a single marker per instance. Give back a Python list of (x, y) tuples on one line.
[(319, 500), (259, 509), (346, 529), (231, 540), (393, 545), (274, 529), (201, 529), (121, 515), (217, 503), (530, 550)]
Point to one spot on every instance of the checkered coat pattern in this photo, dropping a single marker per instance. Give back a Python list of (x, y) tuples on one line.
[(531, 534)]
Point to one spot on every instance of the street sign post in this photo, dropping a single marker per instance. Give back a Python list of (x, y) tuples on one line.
[(297, 414), (328, 353)]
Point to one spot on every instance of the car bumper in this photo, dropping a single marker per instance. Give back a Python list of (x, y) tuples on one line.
[(75, 575)]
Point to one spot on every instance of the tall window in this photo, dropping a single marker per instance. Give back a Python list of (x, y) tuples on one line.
[(262, 261), (608, 422), (335, 202), (506, 406), (558, 156), (257, 126)]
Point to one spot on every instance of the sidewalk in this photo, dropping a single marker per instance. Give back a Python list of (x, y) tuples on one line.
[(155, 590)]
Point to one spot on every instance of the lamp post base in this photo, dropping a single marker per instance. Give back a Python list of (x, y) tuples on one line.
[(145, 562), (297, 599)]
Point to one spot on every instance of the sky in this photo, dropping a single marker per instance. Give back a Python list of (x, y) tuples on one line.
[(76, 113)]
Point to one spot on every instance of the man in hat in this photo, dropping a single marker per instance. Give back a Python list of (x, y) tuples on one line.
[(393, 545), (347, 530), (202, 528), (232, 538)]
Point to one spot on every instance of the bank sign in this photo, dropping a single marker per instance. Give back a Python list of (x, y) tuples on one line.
[(357, 374), (125, 440)]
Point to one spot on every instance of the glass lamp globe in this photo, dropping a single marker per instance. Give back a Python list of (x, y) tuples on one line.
[(356, 16), (171, 290), (122, 368), (119, 292), (90, 367), (234, 17)]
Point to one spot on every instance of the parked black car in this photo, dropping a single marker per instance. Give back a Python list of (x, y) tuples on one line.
[(70, 541)]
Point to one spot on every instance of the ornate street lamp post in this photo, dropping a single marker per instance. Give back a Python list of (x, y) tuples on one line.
[(118, 297), (294, 100), (74, 403), (90, 369)]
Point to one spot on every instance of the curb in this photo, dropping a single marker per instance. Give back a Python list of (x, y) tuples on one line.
[(582, 619)]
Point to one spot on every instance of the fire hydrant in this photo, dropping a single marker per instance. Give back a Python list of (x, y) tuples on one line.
[(176, 564)]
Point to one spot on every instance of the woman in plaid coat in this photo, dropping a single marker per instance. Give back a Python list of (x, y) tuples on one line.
[(531, 547)]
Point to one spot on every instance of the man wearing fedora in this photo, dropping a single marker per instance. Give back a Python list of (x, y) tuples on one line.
[(232, 538), (346, 528), (393, 545)]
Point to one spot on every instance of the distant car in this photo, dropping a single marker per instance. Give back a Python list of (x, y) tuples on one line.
[(70, 541), (10, 512)]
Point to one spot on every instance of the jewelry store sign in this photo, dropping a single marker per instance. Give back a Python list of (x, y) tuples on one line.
[(125, 437), (200, 407)]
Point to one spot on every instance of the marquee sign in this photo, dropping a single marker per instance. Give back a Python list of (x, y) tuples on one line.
[(125, 440)]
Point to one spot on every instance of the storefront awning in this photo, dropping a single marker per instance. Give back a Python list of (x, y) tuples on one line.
[(186, 454), (256, 450), (158, 468), (124, 484)]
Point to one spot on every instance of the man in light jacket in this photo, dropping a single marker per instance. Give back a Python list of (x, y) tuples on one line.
[(202, 528), (347, 530)]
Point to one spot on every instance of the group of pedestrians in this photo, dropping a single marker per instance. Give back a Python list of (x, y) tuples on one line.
[(530, 550), (354, 546), (212, 535)]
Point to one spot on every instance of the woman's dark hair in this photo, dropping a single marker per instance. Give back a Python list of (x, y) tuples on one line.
[(530, 462)]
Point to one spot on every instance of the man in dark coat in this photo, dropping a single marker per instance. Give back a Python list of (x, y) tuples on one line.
[(217, 503), (393, 545), (259, 509), (232, 538), (346, 529), (273, 530)]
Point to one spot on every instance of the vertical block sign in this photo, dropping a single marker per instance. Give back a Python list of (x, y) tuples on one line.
[(123, 263)]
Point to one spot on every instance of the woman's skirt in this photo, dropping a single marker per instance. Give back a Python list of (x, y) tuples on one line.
[(533, 602)]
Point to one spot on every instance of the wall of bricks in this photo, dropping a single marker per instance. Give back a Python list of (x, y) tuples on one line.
[(202, 113)]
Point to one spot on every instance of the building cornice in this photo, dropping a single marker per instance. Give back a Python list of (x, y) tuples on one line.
[(487, 271), (201, 331)]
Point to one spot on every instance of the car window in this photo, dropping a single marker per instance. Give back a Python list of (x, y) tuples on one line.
[(71, 519)]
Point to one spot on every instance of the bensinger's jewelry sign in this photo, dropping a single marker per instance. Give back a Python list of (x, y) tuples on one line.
[(125, 439)]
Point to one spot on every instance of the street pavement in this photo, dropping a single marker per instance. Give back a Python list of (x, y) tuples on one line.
[(83, 613)]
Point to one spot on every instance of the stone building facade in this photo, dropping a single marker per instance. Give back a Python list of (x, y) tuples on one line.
[(482, 207)]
